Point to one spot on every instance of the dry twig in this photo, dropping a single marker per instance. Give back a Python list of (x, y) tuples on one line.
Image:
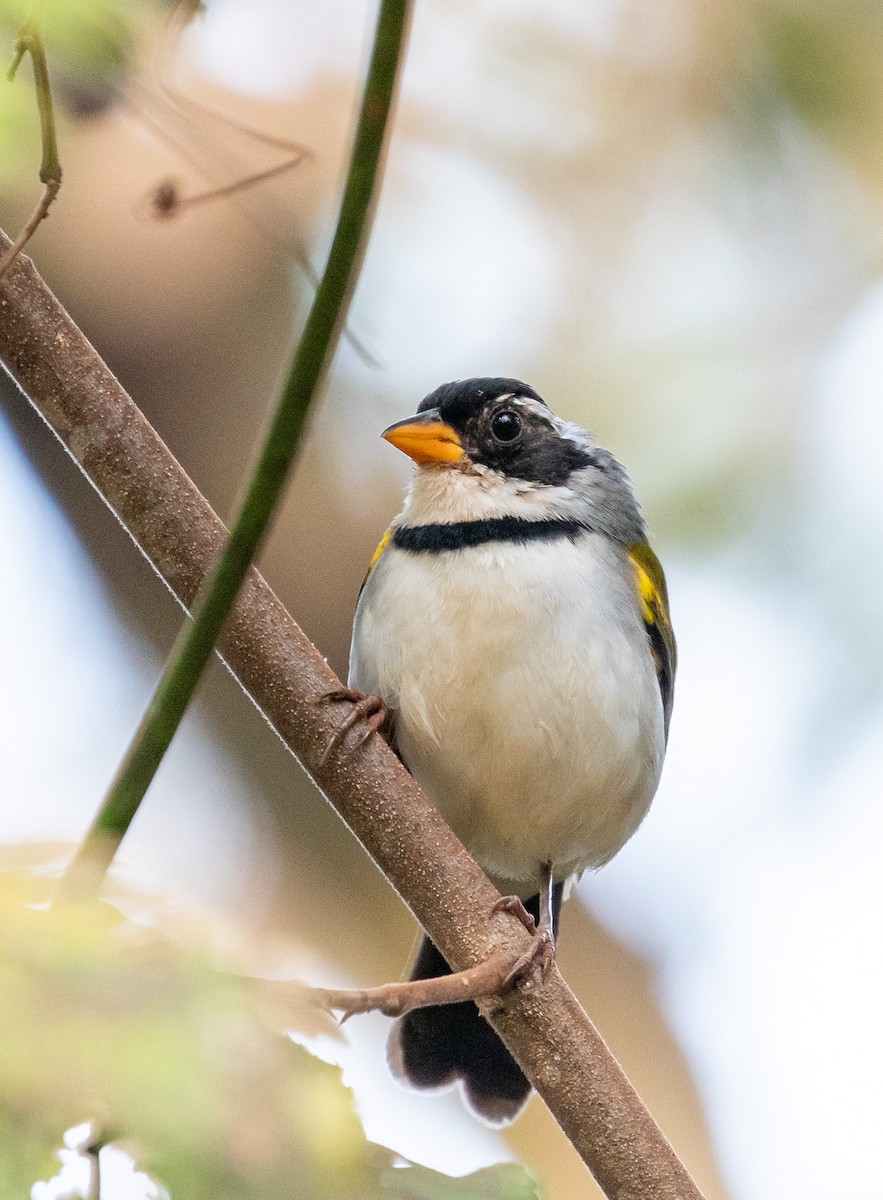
[(480, 982)]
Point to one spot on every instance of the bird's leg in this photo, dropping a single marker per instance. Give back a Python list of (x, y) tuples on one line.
[(542, 949), (547, 890), (370, 712)]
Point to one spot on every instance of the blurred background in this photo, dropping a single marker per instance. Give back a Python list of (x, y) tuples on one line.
[(665, 215)]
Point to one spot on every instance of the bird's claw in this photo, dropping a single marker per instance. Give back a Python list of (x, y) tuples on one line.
[(540, 953), (515, 906), (370, 712), (542, 947)]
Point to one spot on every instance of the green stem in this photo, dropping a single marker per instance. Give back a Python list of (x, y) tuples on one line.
[(50, 167), (195, 642), (30, 41)]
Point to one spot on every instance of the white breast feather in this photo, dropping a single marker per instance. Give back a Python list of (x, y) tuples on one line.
[(528, 706)]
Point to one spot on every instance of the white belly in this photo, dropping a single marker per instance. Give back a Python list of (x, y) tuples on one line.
[(526, 697)]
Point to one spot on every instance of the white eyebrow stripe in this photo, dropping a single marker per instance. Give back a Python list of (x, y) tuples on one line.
[(530, 404)]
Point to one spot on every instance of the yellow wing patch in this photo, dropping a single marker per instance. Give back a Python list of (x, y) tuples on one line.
[(381, 546), (653, 597), (647, 592), (375, 557)]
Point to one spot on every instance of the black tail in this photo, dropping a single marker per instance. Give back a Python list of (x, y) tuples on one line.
[(432, 1048)]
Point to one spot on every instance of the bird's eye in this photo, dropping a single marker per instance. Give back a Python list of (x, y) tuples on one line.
[(506, 426)]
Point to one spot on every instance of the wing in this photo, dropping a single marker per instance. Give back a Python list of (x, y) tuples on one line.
[(650, 579), (388, 732), (375, 557)]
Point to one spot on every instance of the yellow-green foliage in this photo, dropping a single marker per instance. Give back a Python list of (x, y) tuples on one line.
[(89, 45), (82, 37), (105, 1017)]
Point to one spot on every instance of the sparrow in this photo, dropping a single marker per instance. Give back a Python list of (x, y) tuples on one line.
[(514, 622)]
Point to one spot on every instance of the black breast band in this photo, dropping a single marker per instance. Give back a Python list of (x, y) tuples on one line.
[(433, 539)]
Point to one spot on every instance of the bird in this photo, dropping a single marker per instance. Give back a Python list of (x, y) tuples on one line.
[(512, 639)]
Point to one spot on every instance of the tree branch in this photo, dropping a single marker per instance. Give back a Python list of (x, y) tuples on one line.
[(125, 460)]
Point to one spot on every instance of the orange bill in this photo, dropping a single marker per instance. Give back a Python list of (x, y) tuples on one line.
[(426, 439)]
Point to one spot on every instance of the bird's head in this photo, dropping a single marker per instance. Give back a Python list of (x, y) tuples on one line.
[(524, 459), (498, 424)]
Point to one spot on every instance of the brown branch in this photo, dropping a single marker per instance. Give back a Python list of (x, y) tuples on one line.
[(486, 979), (545, 1028)]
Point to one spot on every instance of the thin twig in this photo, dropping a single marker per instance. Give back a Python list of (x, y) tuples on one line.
[(504, 968), (550, 1036), (30, 41), (488, 978), (195, 642), (166, 201)]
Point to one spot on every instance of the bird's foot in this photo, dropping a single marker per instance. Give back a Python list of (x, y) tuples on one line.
[(515, 906), (539, 955), (541, 951), (372, 713)]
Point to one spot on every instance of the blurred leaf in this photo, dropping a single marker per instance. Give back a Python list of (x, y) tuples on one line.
[(106, 1018), (83, 36), (508, 1181), (19, 139), (813, 66), (89, 45)]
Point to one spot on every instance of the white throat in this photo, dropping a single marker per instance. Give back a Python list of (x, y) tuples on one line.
[(446, 494)]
